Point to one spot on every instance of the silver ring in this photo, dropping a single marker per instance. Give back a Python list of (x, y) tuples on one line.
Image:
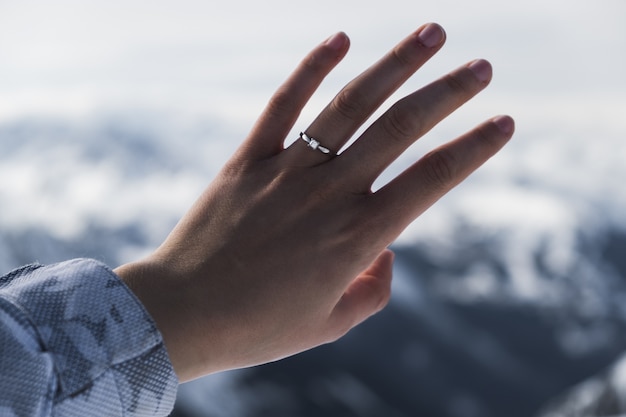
[(313, 143)]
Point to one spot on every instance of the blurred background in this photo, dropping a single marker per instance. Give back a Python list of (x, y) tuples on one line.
[(509, 296)]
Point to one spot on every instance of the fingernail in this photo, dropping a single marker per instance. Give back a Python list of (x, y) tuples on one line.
[(431, 35), (337, 41), (482, 69), (506, 124)]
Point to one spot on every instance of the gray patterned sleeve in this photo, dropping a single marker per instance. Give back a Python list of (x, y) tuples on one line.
[(75, 341)]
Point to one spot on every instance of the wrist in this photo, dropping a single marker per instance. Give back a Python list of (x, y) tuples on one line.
[(149, 284)]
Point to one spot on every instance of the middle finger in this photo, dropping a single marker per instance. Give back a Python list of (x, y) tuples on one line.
[(362, 96)]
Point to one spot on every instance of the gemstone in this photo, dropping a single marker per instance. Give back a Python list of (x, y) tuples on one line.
[(313, 143)]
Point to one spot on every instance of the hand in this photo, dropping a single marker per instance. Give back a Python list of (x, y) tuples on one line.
[(286, 249)]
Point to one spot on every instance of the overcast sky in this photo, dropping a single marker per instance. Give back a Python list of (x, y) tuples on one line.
[(559, 69), (74, 57)]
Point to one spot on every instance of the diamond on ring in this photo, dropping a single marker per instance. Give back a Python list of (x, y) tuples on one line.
[(313, 143)]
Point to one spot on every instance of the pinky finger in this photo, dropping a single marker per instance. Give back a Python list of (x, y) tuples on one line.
[(420, 186)]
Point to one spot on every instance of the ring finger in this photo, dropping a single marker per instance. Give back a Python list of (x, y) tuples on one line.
[(362, 96)]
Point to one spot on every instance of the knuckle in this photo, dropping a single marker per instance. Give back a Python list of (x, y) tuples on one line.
[(403, 57), (440, 168), (349, 103), (400, 124), (487, 138), (343, 326), (280, 103), (385, 297), (339, 331), (457, 85), (314, 61)]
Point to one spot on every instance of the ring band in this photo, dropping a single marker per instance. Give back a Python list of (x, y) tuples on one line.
[(313, 143)]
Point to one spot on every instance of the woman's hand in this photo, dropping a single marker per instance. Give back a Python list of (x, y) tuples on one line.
[(286, 249)]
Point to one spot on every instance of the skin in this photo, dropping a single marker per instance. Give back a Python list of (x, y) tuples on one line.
[(286, 249)]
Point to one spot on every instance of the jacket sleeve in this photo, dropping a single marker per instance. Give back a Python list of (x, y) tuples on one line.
[(75, 341)]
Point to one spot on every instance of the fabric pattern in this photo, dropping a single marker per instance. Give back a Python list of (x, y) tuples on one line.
[(75, 341)]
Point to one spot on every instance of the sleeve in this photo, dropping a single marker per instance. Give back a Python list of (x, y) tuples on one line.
[(75, 341)]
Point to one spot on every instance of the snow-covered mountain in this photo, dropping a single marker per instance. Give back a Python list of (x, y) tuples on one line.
[(435, 353), (490, 315)]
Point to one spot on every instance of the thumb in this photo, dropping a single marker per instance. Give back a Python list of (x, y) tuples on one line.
[(366, 295)]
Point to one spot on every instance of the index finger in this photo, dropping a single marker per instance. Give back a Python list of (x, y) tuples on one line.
[(267, 136), (351, 107)]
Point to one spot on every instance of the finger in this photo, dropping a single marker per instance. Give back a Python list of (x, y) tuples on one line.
[(362, 96), (267, 136), (365, 296), (421, 185), (409, 119)]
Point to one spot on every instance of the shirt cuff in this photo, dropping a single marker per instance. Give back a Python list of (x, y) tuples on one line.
[(104, 344)]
